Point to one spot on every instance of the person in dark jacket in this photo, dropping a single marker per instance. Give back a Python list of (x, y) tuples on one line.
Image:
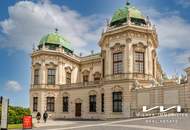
[(38, 117), (45, 116)]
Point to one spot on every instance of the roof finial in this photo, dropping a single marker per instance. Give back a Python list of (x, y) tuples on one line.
[(56, 30), (127, 2)]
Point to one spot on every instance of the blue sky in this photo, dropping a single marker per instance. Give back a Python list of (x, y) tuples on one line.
[(23, 23)]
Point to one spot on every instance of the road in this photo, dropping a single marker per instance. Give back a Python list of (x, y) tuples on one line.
[(169, 122)]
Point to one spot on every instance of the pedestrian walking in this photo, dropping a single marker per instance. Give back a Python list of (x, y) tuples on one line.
[(38, 117), (45, 116)]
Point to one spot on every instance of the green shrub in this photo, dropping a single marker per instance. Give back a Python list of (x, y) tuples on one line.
[(15, 114)]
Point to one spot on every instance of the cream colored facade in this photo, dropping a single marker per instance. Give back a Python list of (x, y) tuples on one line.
[(137, 89)]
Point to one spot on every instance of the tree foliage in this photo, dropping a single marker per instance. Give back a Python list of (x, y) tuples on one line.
[(15, 114)]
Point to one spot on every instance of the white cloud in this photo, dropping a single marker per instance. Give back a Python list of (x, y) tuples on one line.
[(173, 34), (12, 85), (29, 21)]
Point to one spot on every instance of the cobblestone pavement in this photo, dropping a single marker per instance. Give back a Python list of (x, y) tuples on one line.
[(167, 122)]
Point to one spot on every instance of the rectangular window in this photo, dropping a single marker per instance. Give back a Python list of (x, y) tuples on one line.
[(153, 67), (50, 104), (68, 78), (117, 63), (117, 101), (139, 62), (103, 67), (35, 104), (65, 104), (92, 100), (102, 102), (36, 76), (85, 78), (51, 76)]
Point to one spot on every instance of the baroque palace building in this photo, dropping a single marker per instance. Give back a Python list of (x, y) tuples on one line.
[(114, 83)]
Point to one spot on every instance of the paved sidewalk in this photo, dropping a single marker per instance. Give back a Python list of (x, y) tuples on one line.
[(51, 123)]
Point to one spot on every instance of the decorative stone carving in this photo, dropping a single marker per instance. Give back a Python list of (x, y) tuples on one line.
[(65, 94), (78, 100), (92, 92), (68, 69), (128, 40), (117, 48), (117, 88), (140, 47), (86, 72)]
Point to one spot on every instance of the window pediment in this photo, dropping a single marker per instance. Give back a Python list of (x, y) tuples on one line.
[(68, 69), (117, 48), (92, 92), (141, 47), (86, 72)]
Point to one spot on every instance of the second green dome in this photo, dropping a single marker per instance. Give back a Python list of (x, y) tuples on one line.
[(56, 39)]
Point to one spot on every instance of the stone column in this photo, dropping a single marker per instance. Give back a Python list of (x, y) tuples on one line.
[(43, 74), (187, 70)]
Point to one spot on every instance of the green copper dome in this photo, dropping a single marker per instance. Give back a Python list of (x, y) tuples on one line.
[(121, 15), (57, 40)]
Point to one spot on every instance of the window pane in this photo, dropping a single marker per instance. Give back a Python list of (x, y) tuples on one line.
[(117, 102), (117, 63), (51, 76), (139, 62), (65, 104), (50, 104), (36, 76), (92, 103)]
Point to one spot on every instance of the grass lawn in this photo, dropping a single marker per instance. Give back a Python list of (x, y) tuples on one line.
[(15, 126)]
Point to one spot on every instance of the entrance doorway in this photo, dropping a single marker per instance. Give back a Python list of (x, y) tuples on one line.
[(78, 110)]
